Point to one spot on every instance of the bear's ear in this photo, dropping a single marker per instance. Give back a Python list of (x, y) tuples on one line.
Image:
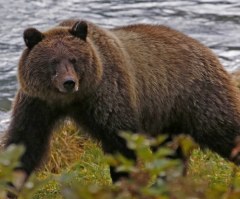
[(80, 29), (32, 37)]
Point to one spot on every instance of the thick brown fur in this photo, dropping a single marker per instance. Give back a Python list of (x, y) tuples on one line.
[(139, 78)]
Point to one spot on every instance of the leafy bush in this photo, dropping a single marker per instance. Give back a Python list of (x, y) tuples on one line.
[(154, 176)]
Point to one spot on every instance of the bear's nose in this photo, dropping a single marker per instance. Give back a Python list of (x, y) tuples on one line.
[(69, 85)]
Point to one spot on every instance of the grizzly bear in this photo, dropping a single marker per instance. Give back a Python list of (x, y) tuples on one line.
[(137, 78)]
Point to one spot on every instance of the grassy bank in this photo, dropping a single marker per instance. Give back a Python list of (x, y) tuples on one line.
[(80, 163), (77, 169), (73, 154)]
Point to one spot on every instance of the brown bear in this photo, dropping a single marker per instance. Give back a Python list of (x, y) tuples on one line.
[(138, 78)]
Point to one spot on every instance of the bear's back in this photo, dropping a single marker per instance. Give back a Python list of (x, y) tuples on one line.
[(167, 66)]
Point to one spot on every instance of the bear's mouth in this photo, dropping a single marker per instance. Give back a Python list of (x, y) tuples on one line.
[(69, 89)]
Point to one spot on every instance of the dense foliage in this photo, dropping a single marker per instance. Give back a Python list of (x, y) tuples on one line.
[(154, 176)]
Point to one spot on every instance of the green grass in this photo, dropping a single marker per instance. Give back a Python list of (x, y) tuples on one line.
[(209, 176), (76, 168), (86, 164), (91, 168), (210, 167)]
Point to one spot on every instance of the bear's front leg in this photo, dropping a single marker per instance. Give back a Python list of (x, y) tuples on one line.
[(113, 145), (31, 124)]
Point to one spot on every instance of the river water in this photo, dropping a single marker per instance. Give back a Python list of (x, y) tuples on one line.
[(215, 23)]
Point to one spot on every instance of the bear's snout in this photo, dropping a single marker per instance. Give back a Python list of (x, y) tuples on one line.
[(69, 85), (66, 79)]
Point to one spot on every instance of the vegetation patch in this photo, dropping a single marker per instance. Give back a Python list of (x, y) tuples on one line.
[(76, 168)]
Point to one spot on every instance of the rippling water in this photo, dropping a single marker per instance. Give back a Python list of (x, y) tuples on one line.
[(215, 23)]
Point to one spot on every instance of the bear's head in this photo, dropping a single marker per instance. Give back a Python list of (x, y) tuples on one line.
[(60, 64)]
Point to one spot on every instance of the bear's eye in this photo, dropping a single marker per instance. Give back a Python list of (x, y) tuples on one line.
[(54, 61), (73, 60)]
